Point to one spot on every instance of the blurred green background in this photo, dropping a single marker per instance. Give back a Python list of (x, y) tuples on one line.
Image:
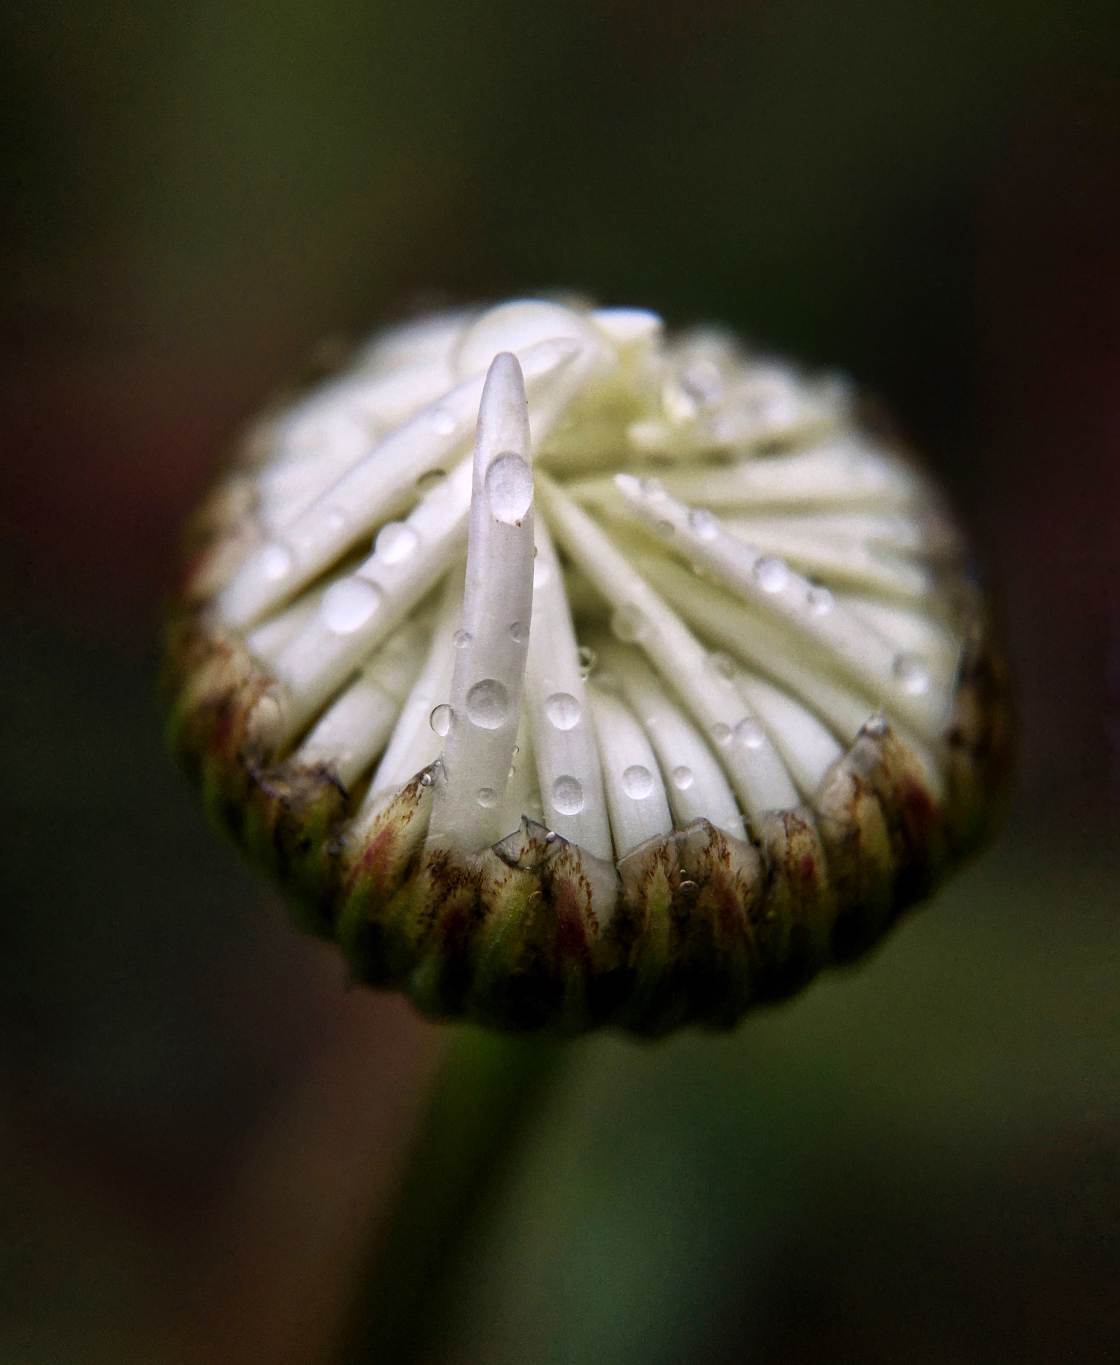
[(918, 1160)]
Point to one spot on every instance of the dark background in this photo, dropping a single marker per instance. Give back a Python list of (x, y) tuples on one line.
[(915, 1161)]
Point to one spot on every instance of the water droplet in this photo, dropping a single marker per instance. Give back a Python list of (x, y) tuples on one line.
[(430, 479), (488, 704), (665, 528), (651, 488), (628, 624), (425, 779), (395, 542), (487, 797), (461, 639), (722, 664), (721, 733), (637, 781), (771, 574), (876, 725), (703, 524), (348, 604), (563, 710), (542, 573), (441, 718), (587, 659), (518, 632), (443, 422), (682, 778), (750, 734), (820, 600), (567, 795), (911, 672), (275, 561), (509, 486)]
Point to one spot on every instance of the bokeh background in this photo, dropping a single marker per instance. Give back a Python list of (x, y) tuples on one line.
[(918, 1160)]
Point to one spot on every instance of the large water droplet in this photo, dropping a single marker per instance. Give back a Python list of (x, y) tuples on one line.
[(682, 778), (395, 542), (750, 734), (563, 710), (275, 561), (441, 718), (628, 624), (518, 632), (488, 704), (487, 797), (637, 781), (567, 795), (348, 604), (771, 574), (721, 733), (703, 524), (509, 486), (911, 672)]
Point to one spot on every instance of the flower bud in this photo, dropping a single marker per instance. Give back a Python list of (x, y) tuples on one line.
[(570, 673)]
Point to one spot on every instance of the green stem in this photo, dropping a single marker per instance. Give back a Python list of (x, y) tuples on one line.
[(487, 1093)]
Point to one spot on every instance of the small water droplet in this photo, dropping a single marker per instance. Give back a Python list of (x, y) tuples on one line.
[(722, 664), (275, 561), (461, 639), (820, 600), (441, 718), (750, 734), (567, 795), (771, 574), (542, 573), (911, 672), (487, 797), (703, 524), (637, 781), (721, 733), (395, 542), (488, 704), (628, 624), (876, 725), (518, 632), (426, 779), (563, 710), (587, 659), (429, 480), (509, 486), (682, 778), (348, 604), (443, 422)]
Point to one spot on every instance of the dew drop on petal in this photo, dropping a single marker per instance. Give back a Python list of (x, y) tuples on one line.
[(461, 639), (509, 486), (441, 718), (628, 624), (395, 542), (750, 734), (487, 797), (637, 781), (876, 725), (275, 561), (703, 524), (682, 778), (819, 600), (721, 733), (567, 795), (348, 604), (911, 673), (563, 710), (488, 704), (518, 632), (771, 574)]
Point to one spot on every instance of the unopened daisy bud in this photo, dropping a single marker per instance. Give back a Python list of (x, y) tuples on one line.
[(568, 673)]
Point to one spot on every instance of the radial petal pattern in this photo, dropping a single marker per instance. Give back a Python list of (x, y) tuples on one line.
[(569, 672)]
